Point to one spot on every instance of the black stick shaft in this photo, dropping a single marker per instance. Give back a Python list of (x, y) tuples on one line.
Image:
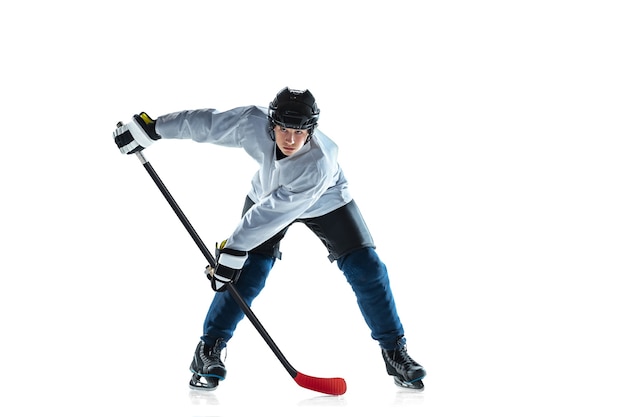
[(211, 259)]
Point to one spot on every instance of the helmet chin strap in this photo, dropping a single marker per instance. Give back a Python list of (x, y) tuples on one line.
[(271, 131)]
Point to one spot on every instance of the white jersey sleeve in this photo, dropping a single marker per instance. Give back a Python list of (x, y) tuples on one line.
[(309, 183)]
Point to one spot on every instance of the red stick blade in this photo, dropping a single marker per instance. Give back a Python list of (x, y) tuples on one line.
[(331, 386)]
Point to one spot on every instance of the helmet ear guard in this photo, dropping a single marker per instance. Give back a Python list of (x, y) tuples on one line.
[(293, 109)]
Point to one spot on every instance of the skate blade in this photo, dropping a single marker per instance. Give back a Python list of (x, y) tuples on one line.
[(417, 385), (202, 383)]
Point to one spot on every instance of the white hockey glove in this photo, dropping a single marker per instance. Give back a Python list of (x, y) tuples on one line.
[(228, 269), (136, 135)]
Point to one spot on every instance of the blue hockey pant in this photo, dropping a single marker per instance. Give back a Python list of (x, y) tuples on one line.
[(364, 271)]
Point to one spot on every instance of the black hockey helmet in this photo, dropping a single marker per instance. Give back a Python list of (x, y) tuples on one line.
[(294, 109)]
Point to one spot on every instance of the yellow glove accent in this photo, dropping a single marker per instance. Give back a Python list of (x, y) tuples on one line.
[(144, 116)]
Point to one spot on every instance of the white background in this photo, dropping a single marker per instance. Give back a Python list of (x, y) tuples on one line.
[(484, 142)]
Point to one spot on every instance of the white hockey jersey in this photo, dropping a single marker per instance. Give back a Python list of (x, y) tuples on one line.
[(307, 184)]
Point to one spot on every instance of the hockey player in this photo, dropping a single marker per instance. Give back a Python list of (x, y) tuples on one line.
[(299, 180)]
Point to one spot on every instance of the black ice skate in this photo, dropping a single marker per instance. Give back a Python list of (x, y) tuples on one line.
[(405, 371), (207, 366)]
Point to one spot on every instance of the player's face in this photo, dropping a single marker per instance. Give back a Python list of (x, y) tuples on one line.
[(290, 141)]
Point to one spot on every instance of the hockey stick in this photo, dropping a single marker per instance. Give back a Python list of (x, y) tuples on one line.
[(331, 386)]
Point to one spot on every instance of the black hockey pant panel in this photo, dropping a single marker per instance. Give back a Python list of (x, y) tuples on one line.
[(342, 231)]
